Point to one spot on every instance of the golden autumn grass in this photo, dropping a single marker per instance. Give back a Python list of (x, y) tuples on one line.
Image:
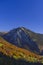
[(18, 53)]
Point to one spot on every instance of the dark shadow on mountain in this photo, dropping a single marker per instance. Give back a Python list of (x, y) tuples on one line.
[(41, 53)]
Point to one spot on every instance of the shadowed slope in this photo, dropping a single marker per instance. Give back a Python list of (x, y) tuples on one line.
[(36, 37)]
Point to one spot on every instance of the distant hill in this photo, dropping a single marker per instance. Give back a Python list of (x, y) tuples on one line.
[(21, 38), (2, 33)]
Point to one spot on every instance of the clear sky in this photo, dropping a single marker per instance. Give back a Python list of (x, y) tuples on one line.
[(17, 13)]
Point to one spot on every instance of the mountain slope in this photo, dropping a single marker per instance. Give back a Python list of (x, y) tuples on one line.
[(18, 53), (20, 38), (38, 38)]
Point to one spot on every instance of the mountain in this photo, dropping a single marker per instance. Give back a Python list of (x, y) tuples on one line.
[(22, 39)]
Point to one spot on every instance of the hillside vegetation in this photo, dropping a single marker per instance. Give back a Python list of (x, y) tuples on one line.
[(18, 53), (6, 60)]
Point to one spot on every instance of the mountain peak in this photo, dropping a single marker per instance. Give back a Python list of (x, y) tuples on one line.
[(21, 28)]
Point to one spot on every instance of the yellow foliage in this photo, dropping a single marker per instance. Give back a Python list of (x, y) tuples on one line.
[(1, 44)]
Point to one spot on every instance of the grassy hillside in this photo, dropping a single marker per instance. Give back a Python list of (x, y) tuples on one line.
[(18, 53), (6, 60)]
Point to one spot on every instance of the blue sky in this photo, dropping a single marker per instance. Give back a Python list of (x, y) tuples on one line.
[(18, 13)]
